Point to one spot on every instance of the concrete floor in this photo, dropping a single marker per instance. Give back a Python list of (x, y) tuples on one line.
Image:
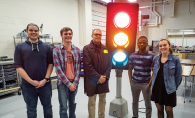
[(13, 106)]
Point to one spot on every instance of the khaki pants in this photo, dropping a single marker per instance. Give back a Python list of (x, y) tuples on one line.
[(101, 106)]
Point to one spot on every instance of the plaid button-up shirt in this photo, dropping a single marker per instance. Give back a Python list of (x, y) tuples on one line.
[(60, 59)]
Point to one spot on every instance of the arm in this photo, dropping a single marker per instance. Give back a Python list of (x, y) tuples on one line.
[(151, 78), (88, 67), (152, 65), (78, 68), (49, 68), (109, 67), (59, 71), (130, 67), (49, 62), (130, 73), (49, 71), (18, 63), (106, 75), (25, 76), (178, 73)]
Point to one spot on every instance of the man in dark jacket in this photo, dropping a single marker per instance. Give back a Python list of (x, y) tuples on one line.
[(97, 67), (34, 62)]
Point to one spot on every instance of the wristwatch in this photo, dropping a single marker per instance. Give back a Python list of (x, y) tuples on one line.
[(47, 79)]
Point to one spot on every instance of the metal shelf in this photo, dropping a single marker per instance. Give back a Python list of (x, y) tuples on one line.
[(9, 81)]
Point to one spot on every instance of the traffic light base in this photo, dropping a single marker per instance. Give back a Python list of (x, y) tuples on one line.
[(118, 108)]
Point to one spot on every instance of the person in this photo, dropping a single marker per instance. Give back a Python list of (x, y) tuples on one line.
[(97, 67), (141, 62), (166, 80), (34, 62), (67, 64)]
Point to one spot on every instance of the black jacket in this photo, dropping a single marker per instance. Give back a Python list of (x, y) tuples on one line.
[(96, 62)]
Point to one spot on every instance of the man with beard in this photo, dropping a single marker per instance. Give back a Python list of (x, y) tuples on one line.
[(34, 62)]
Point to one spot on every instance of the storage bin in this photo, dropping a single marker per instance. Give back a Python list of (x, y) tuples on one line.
[(10, 77)]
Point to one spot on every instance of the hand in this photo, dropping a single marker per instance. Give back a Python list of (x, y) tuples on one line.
[(72, 87), (102, 79), (41, 83), (130, 80), (35, 83)]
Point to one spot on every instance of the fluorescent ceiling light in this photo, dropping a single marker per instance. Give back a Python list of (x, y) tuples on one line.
[(106, 1), (186, 30), (132, 0)]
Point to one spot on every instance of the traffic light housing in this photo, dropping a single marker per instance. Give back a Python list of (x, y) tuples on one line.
[(121, 31)]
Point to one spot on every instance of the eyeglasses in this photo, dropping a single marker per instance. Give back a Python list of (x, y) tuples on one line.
[(97, 34)]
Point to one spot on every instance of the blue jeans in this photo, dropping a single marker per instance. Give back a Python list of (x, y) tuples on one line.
[(64, 96), (31, 94)]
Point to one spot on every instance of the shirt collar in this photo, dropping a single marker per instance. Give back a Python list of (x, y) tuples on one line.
[(72, 47), (170, 57)]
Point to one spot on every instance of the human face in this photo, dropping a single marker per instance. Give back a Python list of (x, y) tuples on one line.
[(33, 32), (96, 36), (164, 47), (142, 43), (67, 36)]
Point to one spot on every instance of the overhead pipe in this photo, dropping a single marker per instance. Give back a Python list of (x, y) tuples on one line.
[(156, 22), (153, 11), (159, 16)]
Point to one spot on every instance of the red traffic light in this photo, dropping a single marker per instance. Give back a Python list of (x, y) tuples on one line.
[(122, 20)]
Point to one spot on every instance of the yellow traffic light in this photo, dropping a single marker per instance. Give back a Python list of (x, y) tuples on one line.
[(121, 39)]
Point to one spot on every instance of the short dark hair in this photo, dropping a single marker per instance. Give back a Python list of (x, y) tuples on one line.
[(96, 29), (143, 37), (31, 24), (65, 29)]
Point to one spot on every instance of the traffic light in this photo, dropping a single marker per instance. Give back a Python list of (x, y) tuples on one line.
[(121, 30)]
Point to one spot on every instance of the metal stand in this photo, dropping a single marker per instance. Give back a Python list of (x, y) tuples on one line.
[(185, 91), (192, 83), (118, 106)]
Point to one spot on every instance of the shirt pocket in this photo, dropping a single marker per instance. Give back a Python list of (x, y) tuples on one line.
[(171, 69)]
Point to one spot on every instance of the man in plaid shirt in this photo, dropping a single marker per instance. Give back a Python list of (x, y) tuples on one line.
[(67, 63)]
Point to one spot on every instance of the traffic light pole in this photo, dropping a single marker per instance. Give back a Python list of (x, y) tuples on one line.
[(118, 106), (118, 81)]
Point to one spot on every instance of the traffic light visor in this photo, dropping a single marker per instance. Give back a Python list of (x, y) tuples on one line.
[(122, 20)]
